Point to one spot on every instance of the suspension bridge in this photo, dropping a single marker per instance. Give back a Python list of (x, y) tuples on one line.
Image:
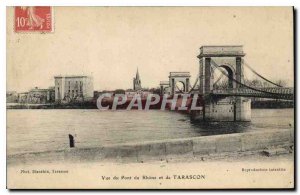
[(232, 102)]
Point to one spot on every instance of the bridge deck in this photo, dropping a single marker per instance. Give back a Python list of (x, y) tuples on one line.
[(271, 92)]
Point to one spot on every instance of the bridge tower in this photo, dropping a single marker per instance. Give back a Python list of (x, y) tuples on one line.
[(164, 87), (230, 60), (179, 77)]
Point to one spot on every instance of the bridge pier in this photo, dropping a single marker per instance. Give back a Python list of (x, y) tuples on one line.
[(227, 109), (224, 109), (219, 109), (243, 109)]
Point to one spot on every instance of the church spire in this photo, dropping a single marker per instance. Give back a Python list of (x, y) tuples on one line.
[(137, 81), (137, 77)]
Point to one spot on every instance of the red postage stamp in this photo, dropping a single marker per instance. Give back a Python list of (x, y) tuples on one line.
[(33, 19)]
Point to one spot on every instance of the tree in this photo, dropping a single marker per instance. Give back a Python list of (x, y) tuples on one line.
[(281, 82), (119, 91)]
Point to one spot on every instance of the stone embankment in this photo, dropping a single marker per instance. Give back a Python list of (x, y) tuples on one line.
[(165, 150)]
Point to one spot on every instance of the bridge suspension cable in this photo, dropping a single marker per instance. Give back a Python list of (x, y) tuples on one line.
[(225, 73), (194, 84), (220, 77), (178, 89), (256, 73)]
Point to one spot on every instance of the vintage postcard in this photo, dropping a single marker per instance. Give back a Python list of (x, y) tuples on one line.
[(150, 98)]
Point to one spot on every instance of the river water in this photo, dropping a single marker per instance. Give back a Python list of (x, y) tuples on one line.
[(47, 130)]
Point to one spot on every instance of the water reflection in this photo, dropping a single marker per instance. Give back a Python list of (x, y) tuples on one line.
[(216, 128)]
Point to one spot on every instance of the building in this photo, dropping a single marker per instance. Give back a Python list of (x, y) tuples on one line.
[(51, 94), (73, 88), (40, 96), (11, 97), (22, 97), (137, 84), (37, 96)]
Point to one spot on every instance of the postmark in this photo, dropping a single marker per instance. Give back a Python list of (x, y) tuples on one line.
[(33, 19)]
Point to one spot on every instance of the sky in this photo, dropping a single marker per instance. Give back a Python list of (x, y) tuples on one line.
[(110, 43)]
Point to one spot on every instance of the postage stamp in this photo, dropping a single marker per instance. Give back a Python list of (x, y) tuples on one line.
[(33, 19)]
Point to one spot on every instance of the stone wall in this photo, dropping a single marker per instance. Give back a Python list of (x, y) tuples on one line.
[(168, 149)]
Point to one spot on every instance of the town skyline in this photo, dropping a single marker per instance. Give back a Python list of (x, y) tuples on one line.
[(111, 51)]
